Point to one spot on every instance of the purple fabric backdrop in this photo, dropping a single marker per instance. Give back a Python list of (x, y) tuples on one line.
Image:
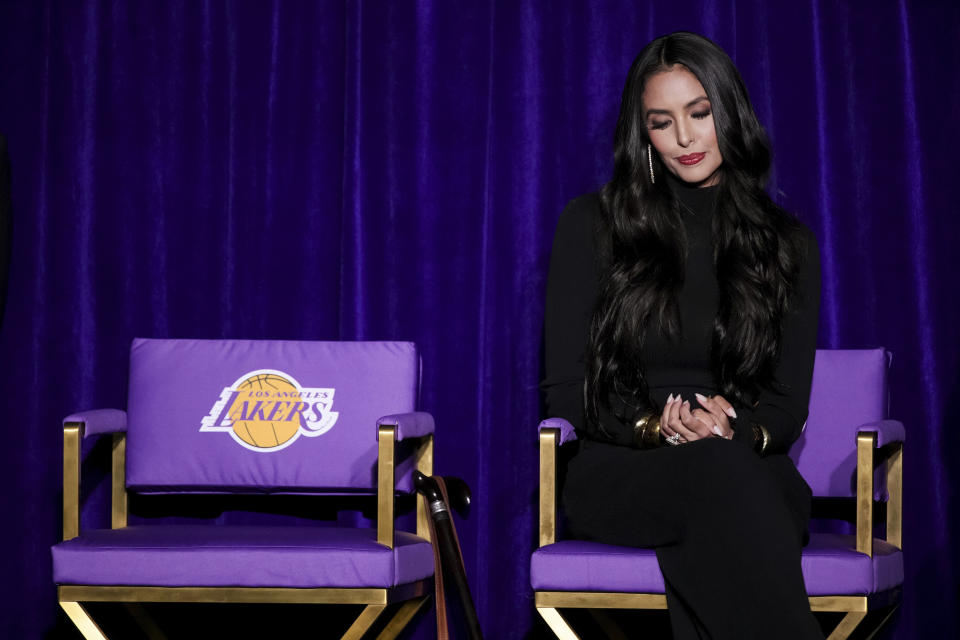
[(394, 170)]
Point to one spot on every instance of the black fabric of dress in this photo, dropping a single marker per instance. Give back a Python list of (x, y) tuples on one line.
[(727, 525)]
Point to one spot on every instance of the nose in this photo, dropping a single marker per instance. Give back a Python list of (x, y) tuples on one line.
[(684, 138)]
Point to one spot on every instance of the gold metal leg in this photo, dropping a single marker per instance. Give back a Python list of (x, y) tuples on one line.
[(847, 625), (610, 628), (560, 628), (401, 618), (82, 620), (364, 621), (145, 621)]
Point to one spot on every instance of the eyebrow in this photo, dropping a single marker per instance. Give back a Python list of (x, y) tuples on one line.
[(686, 106)]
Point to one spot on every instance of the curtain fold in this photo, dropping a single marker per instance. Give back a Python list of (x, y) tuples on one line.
[(352, 169)]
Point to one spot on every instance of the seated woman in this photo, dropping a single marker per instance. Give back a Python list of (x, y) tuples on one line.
[(681, 325)]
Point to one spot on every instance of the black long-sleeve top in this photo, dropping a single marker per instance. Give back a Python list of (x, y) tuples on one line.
[(683, 365)]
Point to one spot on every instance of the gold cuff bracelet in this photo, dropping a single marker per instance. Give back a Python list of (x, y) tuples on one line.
[(646, 431), (761, 439)]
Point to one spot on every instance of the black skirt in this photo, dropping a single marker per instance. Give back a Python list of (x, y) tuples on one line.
[(727, 526)]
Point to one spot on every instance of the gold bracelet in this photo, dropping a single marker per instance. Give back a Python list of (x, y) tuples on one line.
[(761, 439), (646, 431)]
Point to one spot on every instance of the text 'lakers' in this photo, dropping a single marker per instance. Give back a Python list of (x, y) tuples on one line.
[(266, 410)]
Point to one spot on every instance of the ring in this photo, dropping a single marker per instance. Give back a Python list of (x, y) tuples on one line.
[(674, 439)]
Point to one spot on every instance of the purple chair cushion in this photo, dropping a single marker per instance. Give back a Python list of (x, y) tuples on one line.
[(576, 565), (240, 556), (831, 566), (216, 415)]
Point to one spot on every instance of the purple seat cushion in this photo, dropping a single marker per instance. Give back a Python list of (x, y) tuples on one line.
[(240, 556), (830, 564), (576, 565)]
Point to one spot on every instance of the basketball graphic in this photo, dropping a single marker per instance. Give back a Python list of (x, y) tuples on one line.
[(267, 410), (255, 429)]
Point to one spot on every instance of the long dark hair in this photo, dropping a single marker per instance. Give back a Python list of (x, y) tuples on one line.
[(758, 247)]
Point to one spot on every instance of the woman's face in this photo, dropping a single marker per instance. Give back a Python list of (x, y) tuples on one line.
[(679, 121)]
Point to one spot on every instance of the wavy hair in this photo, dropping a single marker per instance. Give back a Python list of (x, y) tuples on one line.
[(758, 247)]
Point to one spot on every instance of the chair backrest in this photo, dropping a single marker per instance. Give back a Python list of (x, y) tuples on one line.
[(849, 390), (271, 415)]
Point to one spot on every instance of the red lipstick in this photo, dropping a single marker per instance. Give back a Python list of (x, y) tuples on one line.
[(691, 159)]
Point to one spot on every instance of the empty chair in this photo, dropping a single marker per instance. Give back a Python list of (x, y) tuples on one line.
[(264, 417)]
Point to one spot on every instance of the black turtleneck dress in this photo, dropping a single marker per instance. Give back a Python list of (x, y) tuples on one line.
[(727, 525)]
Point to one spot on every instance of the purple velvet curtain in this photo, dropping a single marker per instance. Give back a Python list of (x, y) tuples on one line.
[(394, 170)]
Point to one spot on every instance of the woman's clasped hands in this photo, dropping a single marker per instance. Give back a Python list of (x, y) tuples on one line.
[(679, 423)]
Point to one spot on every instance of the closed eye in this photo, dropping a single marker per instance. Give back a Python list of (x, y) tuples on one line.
[(700, 115), (659, 125)]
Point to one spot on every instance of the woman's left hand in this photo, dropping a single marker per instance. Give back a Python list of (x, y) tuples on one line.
[(678, 424), (717, 411)]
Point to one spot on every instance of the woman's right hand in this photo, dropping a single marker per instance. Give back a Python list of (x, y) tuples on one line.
[(677, 419)]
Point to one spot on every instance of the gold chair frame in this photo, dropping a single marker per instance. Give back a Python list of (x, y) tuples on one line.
[(869, 458), (412, 596)]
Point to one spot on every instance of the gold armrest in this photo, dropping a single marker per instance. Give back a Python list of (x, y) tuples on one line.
[(548, 486), (72, 437), (868, 457), (424, 464), (386, 484), (866, 445), (386, 439), (118, 485), (895, 495)]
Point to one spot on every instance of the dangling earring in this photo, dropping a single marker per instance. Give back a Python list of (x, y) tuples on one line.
[(650, 161)]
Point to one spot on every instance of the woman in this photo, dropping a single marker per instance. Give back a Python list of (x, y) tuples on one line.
[(681, 327)]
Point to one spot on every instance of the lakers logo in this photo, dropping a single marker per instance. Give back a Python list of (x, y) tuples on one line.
[(267, 410)]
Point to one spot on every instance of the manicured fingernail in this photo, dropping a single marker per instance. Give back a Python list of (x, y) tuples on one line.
[(716, 430), (670, 398), (730, 412), (701, 399)]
